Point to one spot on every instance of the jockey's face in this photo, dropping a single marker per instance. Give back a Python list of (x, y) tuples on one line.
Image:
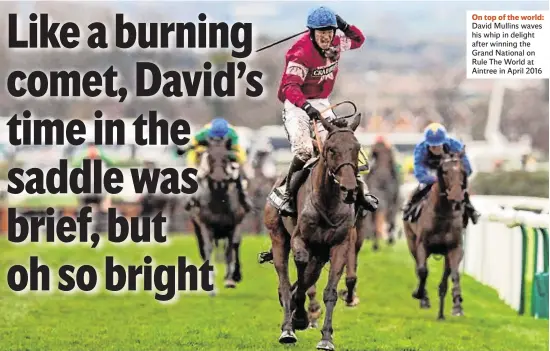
[(436, 150), (324, 37)]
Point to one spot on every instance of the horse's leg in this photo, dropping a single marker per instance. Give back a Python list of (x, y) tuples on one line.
[(351, 272), (208, 248), (314, 307), (308, 274), (374, 234), (338, 258), (200, 240), (422, 273), (237, 274), (455, 256), (380, 225), (281, 250), (229, 262), (443, 288)]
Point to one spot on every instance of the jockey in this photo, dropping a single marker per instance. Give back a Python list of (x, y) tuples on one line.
[(308, 80), (219, 128), (426, 158)]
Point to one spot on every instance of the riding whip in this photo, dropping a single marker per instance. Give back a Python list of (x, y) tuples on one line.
[(280, 41)]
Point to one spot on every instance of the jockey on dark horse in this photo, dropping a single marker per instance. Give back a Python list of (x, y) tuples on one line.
[(219, 128), (426, 158), (308, 80)]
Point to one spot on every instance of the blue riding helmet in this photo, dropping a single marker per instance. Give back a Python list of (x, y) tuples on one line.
[(435, 134), (218, 128), (321, 17)]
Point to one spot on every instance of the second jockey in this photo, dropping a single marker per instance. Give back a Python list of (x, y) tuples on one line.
[(307, 82), (219, 128)]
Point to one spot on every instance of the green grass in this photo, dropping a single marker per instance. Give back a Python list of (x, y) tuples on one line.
[(249, 317)]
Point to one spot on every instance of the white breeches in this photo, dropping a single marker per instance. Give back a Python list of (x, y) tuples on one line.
[(299, 127)]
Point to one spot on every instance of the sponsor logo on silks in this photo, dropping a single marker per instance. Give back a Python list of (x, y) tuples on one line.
[(323, 71), (294, 68)]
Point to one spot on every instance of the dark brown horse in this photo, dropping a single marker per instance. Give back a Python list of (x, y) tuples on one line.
[(323, 231), (383, 182), (438, 231), (219, 213)]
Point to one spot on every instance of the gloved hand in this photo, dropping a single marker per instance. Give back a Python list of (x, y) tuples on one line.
[(372, 202), (311, 111), (342, 25)]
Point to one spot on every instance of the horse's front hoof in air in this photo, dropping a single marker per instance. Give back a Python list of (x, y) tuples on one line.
[(425, 303), (300, 321), (325, 345), (288, 337)]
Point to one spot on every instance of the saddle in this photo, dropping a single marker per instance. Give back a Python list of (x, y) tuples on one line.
[(276, 196)]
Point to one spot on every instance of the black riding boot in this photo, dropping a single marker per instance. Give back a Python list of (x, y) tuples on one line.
[(418, 194), (366, 200), (243, 196), (288, 202), (470, 209)]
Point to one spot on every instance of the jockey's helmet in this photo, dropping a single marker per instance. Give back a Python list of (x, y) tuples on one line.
[(435, 134), (321, 17), (218, 128)]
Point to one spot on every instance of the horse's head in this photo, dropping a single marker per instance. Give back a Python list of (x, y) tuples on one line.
[(218, 159), (450, 174), (341, 153)]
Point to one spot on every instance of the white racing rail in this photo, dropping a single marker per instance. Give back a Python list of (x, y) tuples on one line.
[(503, 251)]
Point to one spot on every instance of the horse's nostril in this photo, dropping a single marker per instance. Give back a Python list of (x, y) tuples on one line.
[(343, 188)]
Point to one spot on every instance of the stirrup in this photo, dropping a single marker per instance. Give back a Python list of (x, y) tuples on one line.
[(266, 256)]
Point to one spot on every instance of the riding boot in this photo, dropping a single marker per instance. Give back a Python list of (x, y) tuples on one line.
[(288, 205), (418, 194), (244, 199), (470, 209), (366, 200)]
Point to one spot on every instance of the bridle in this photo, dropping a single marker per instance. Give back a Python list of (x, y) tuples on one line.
[(332, 172), (443, 190)]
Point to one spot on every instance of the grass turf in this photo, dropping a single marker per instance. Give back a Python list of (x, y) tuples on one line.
[(249, 317)]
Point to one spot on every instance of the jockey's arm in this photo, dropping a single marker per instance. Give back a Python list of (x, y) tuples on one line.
[(239, 153), (293, 78), (421, 172), (457, 146)]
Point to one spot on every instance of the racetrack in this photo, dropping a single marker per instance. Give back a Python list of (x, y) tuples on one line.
[(249, 317)]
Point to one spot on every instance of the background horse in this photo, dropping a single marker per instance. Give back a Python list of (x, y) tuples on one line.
[(259, 188), (324, 231), (219, 212), (438, 230), (383, 182)]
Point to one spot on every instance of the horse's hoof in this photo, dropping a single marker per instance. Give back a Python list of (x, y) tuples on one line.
[(441, 318), (391, 241), (325, 345), (425, 303), (212, 293), (237, 277), (287, 337), (230, 284), (313, 325), (458, 312), (354, 302), (375, 247), (300, 321)]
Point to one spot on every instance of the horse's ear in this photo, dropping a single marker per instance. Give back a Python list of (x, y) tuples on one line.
[(356, 121)]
